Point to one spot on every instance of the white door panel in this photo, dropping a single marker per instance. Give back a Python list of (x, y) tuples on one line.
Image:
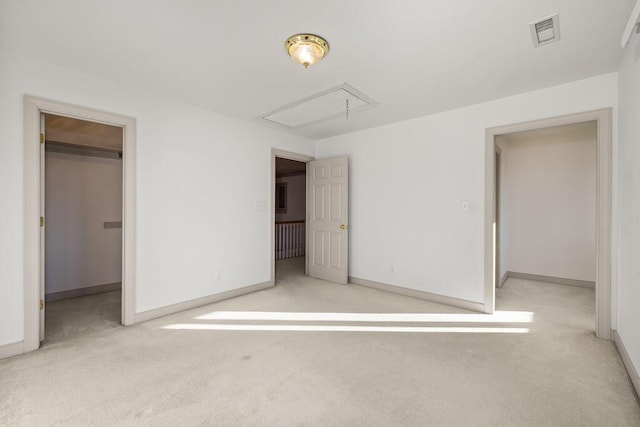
[(329, 219)]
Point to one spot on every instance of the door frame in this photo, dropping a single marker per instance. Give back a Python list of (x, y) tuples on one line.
[(603, 118), (498, 214), (33, 261), (300, 158)]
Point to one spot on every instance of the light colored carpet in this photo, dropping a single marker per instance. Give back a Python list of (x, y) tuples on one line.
[(92, 372)]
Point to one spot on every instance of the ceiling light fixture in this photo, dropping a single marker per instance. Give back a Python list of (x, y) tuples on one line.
[(306, 49)]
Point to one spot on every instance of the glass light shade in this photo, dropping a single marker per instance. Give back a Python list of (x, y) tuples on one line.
[(306, 49)]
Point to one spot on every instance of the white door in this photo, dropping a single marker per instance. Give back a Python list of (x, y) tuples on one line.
[(42, 224), (328, 192)]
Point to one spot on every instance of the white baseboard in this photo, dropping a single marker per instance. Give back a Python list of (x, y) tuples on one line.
[(631, 370), (198, 302), (503, 279), (13, 349), (81, 292), (551, 279), (440, 299)]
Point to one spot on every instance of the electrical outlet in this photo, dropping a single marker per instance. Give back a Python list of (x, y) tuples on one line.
[(216, 275), (465, 206), (394, 268)]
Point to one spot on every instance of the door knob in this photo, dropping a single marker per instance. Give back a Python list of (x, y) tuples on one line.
[(343, 227)]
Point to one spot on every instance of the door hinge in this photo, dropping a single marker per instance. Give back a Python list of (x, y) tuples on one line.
[(42, 138), (41, 221), (41, 304)]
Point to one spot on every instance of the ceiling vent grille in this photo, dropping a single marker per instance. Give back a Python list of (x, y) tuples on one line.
[(545, 31)]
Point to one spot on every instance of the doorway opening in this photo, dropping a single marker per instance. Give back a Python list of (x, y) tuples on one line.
[(35, 110), (290, 210), (546, 220), (326, 237), (556, 226), (83, 230)]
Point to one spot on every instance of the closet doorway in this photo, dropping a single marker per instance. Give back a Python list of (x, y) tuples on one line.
[(83, 227), (35, 219)]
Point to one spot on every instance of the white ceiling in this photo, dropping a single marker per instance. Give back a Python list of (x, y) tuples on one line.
[(412, 57)]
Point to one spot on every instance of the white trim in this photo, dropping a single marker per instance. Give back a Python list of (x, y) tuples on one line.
[(82, 292), (414, 293), (33, 106), (550, 279), (632, 23), (272, 251), (489, 232), (628, 364), (198, 302), (10, 350), (31, 216), (503, 279), (603, 207), (498, 211)]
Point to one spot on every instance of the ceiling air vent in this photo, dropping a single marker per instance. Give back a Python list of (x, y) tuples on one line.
[(545, 31)]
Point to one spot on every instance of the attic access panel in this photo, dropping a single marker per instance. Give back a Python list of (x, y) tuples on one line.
[(327, 105)]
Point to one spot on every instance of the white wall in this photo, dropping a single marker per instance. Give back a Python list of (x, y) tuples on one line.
[(82, 193), (296, 198), (548, 221), (629, 202), (192, 220), (408, 181)]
